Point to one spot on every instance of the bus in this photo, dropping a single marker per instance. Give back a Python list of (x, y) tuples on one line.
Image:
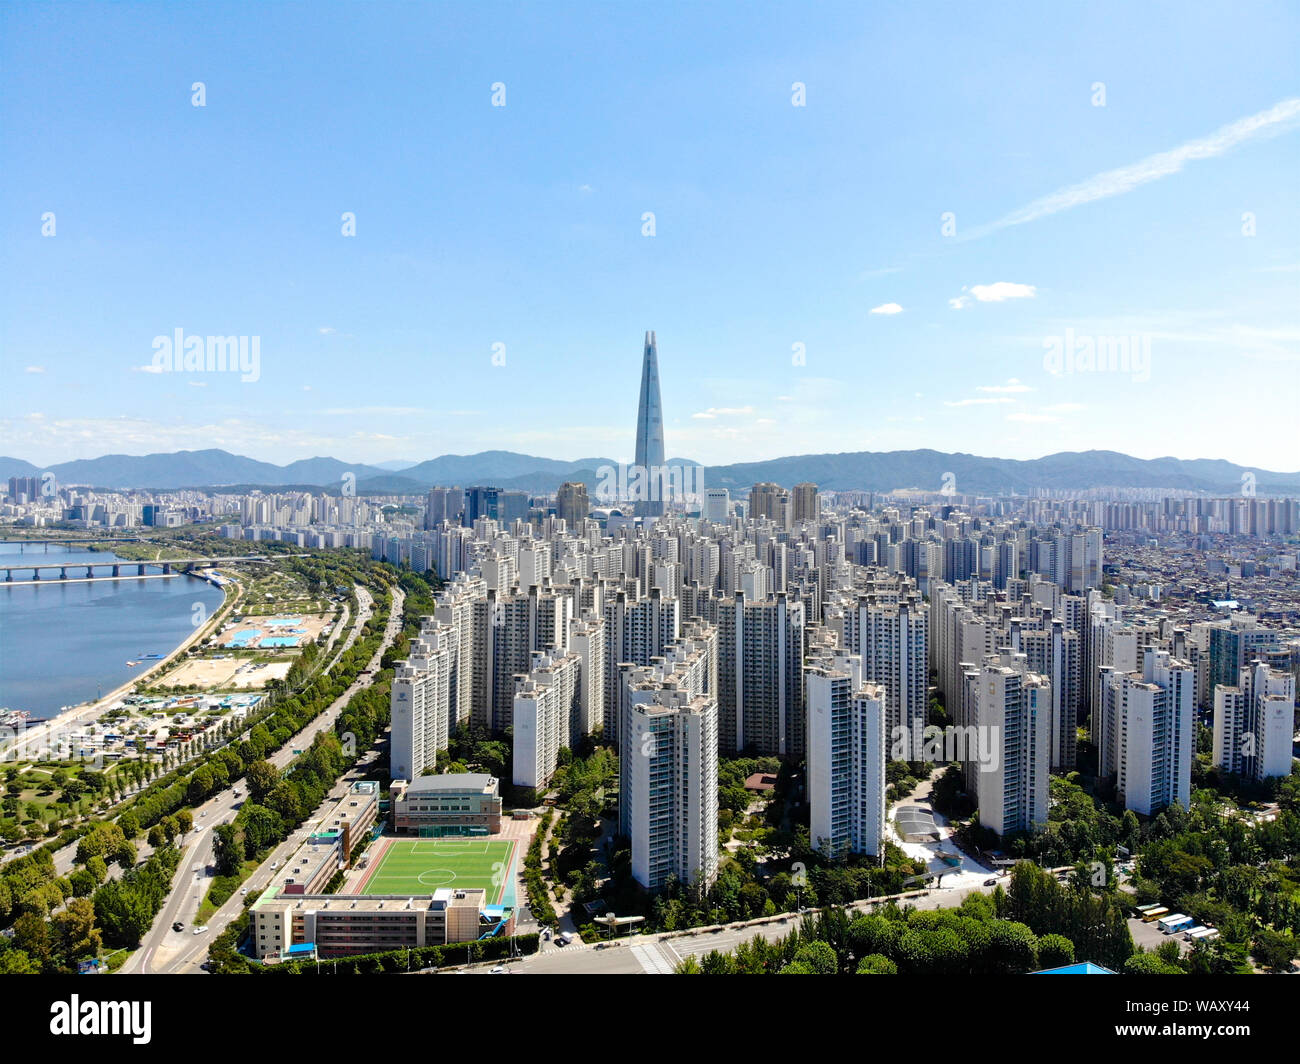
[(1153, 915)]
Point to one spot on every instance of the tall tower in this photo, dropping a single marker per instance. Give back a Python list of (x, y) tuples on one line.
[(650, 434)]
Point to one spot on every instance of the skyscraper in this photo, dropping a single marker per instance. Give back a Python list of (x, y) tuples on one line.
[(572, 505), (807, 502), (650, 433)]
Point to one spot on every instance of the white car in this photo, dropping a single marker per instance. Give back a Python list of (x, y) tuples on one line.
[(244, 891), (200, 930), (498, 970)]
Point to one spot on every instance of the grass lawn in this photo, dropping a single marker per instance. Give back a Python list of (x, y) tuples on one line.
[(421, 866)]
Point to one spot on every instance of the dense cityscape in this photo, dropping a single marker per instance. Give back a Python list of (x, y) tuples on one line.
[(739, 707), (602, 490)]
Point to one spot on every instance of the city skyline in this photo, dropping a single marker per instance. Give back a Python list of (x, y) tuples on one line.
[(839, 248)]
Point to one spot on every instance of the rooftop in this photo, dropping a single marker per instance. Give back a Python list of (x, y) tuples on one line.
[(454, 781)]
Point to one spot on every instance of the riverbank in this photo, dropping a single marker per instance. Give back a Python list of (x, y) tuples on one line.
[(91, 710)]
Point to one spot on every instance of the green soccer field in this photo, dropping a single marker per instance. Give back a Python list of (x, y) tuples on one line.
[(421, 866)]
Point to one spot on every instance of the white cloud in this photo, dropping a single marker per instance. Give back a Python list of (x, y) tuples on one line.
[(887, 308), (980, 402), (150, 368), (1126, 178), (998, 292), (34, 369), (325, 330), (722, 411), (364, 411), (1012, 385)]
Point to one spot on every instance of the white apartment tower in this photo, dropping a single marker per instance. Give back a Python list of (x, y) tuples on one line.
[(420, 702), (890, 634), (1155, 738), (544, 706), (1012, 708), (671, 749), (846, 757), (1254, 721)]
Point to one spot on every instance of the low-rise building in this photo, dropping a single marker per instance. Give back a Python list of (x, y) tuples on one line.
[(453, 803)]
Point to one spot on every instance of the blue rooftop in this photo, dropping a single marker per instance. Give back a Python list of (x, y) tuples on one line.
[(1084, 968)]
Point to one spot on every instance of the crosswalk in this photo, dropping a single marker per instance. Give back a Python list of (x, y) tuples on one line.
[(652, 961)]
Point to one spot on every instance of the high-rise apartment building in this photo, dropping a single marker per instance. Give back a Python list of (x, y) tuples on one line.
[(545, 706), (671, 749), (572, 504), (760, 654), (1012, 714), (807, 502), (421, 701), (846, 757), (890, 633), (1154, 733), (1254, 722)]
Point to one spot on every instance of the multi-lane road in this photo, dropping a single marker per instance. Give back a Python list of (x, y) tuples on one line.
[(659, 954)]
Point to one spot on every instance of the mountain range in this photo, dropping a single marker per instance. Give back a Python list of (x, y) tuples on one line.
[(866, 470)]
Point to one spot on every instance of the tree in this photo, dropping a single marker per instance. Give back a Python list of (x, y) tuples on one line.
[(228, 848), (74, 932), (1274, 950), (14, 961), (877, 964), (1149, 964), (1055, 951), (1013, 948), (819, 957), (32, 936), (262, 778), (83, 883)]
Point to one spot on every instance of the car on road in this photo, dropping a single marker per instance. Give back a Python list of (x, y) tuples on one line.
[(178, 926), (990, 882), (562, 940), (200, 930), (498, 970), (275, 865), (244, 891), (204, 813)]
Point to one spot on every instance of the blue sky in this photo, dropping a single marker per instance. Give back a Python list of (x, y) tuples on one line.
[(775, 226)]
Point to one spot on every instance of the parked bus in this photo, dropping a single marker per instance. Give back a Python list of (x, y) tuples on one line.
[(1154, 914)]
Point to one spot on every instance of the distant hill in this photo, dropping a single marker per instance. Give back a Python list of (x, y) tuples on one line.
[(16, 467), (866, 470)]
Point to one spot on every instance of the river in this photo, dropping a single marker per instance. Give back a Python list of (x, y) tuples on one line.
[(63, 643)]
